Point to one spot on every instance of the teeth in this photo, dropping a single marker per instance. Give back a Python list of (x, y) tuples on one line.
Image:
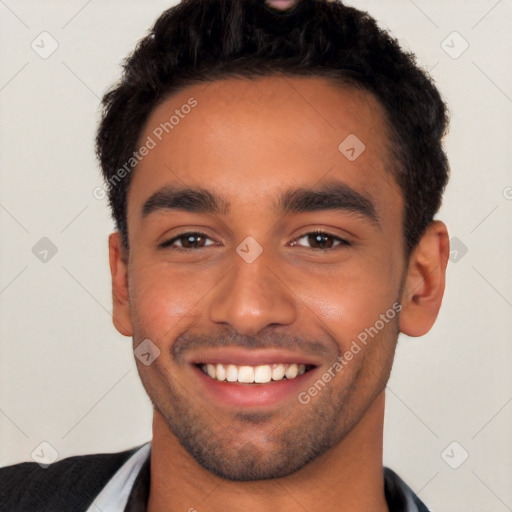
[(262, 374), (221, 372), (231, 373), (253, 374), (291, 372), (246, 374), (210, 370), (277, 371)]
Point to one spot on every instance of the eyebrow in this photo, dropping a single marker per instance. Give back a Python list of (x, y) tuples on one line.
[(195, 200), (334, 196)]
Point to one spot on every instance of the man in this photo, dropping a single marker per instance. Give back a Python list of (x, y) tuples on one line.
[(273, 172)]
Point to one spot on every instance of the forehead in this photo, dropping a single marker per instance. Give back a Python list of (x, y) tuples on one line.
[(250, 139)]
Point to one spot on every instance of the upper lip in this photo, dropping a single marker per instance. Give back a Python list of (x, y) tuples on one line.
[(244, 357)]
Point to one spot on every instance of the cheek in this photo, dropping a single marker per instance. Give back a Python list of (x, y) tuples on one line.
[(350, 303), (162, 300)]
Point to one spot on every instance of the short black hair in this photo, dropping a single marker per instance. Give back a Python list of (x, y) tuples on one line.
[(206, 40)]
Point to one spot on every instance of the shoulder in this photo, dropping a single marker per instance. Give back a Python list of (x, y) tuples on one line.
[(69, 484)]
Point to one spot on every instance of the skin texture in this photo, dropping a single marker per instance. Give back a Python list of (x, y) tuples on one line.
[(249, 141)]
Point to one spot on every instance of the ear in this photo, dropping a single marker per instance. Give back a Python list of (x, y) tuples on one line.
[(120, 296), (425, 281)]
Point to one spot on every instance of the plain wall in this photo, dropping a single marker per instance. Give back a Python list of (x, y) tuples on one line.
[(68, 378)]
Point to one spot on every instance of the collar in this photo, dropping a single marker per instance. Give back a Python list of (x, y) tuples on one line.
[(114, 496)]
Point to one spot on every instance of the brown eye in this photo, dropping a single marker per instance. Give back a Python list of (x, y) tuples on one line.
[(321, 240), (187, 241)]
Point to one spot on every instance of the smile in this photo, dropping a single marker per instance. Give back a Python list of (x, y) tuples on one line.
[(260, 374)]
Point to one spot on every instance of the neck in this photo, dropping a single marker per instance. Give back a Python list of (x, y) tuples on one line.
[(348, 477)]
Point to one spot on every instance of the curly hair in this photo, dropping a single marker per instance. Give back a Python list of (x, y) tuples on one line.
[(206, 40)]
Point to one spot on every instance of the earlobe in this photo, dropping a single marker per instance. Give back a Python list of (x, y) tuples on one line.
[(425, 281), (120, 296)]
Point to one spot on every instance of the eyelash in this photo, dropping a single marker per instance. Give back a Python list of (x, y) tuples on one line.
[(342, 241), (169, 243)]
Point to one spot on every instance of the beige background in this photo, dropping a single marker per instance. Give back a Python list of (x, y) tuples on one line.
[(68, 378)]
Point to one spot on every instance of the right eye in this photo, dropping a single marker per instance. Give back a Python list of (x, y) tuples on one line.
[(186, 241)]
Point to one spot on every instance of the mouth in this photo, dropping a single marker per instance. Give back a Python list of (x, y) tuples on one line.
[(260, 374), (246, 379)]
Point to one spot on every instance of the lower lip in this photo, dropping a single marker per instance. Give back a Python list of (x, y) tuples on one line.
[(251, 395)]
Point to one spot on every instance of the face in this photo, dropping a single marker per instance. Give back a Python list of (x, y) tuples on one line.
[(257, 241)]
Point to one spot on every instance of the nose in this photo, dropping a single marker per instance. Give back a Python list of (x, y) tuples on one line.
[(251, 297)]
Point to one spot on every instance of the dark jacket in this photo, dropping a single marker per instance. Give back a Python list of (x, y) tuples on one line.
[(70, 484)]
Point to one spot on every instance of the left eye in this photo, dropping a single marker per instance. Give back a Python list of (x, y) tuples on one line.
[(187, 241), (321, 240)]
